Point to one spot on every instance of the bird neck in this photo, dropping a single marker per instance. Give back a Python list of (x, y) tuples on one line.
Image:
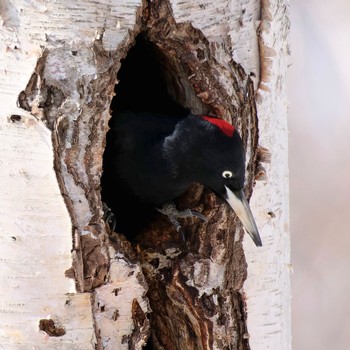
[(184, 147)]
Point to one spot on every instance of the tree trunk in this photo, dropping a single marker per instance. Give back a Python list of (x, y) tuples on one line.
[(69, 283)]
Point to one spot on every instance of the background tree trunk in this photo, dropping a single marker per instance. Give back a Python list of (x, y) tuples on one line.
[(67, 284)]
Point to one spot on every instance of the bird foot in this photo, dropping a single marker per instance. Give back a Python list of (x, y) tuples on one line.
[(109, 217), (173, 214)]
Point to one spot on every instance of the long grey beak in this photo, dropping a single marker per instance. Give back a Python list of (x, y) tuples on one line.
[(239, 204)]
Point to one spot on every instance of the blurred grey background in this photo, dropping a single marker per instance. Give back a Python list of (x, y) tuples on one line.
[(319, 124)]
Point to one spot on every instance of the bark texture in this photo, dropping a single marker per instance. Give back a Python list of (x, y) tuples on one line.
[(104, 292), (269, 269)]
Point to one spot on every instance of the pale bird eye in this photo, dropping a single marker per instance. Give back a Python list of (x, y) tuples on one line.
[(227, 174)]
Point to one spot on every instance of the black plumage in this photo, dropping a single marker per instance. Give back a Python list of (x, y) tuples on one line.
[(151, 159)]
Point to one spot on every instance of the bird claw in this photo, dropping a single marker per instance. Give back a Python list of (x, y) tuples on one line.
[(197, 214), (173, 214), (177, 226), (109, 217)]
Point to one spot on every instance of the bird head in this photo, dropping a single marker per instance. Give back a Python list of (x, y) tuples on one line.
[(221, 167)]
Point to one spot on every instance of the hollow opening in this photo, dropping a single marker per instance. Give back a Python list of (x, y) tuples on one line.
[(145, 86), (142, 86)]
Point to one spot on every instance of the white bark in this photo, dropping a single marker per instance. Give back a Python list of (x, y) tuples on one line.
[(35, 228), (268, 283), (35, 241)]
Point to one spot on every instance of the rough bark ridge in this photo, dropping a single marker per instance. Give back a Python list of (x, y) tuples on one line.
[(74, 125), (193, 290), (75, 107)]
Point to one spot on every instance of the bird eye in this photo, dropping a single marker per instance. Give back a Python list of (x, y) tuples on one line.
[(227, 174)]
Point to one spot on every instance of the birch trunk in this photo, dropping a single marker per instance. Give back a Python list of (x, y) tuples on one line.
[(66, 282)]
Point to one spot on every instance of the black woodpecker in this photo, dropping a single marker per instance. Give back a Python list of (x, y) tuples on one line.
[(153, 158)]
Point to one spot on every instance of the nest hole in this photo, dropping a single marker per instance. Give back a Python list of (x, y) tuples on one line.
[(147, 82), (142, 86)]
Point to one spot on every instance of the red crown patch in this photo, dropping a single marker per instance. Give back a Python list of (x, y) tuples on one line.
[(225, 127)]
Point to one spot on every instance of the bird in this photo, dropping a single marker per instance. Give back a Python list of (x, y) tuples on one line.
[(153, 158)]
